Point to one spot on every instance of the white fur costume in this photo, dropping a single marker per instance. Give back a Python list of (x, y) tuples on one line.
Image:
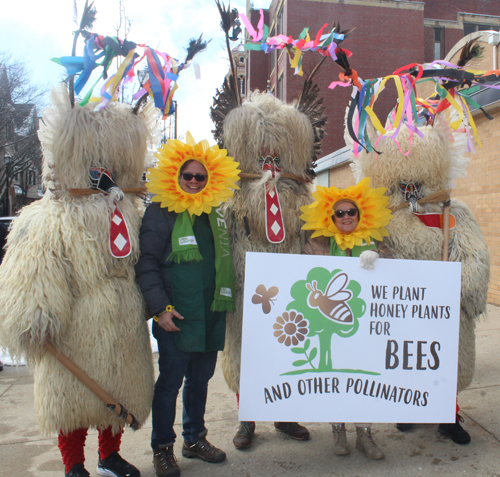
[(434, 161), (59, 279), (263, 123)]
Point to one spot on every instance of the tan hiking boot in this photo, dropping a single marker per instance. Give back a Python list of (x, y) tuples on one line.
[(364, 442), (340, 445)]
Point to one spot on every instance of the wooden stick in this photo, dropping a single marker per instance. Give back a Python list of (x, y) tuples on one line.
[(86, 192), (446, 230), (295, 177), (83, 377), (439, 196)]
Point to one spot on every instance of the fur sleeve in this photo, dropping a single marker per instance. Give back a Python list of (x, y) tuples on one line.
[(35, 293), (467, 245)]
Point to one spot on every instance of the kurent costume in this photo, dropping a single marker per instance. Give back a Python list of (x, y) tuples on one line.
[(421, 151), (186, 265), (327, 239), (275, 144), (59, 280), (433, 162)]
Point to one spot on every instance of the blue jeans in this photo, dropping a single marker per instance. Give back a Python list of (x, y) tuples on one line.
[(175, 365)]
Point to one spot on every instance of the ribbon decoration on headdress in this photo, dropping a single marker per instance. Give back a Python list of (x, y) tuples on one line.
[(411, 109), (323, 43), (162, 68)]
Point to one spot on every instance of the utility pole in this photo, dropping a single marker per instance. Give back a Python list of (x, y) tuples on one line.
[(7, 162), (175, 123)]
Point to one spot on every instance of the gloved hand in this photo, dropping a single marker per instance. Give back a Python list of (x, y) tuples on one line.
[(367, 259)]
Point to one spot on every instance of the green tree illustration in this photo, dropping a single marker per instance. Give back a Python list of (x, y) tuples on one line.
[(319, 324)]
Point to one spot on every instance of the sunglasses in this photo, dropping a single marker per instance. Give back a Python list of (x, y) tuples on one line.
[(350, 212), (197, 177)]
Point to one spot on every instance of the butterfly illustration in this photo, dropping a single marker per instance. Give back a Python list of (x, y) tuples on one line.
[(264, 296)]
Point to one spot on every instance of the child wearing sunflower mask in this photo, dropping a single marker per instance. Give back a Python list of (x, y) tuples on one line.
[(186, 275), (344, 222)]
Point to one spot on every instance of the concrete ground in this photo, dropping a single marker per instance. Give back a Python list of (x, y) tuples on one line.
[(421, 452)]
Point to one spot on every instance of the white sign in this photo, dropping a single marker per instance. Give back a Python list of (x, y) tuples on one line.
[(325, 340)]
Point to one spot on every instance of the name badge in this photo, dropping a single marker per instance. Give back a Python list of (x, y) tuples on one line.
[(189, 240), (226, 292)]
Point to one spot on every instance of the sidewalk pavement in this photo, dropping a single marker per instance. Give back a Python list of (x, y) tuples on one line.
[(421, 452)]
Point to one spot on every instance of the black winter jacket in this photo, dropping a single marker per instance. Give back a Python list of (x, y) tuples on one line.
[(152, 270)]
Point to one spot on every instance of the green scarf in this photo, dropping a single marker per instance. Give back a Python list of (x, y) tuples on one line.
[(185, 249), (336, 251)]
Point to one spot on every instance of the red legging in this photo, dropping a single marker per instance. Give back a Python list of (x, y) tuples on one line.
[(71, 446)]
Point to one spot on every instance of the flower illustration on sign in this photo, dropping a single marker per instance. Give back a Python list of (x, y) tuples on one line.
[(290, 328)]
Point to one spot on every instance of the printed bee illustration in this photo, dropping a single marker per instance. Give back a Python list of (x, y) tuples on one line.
[(265, 297), (333, 302)]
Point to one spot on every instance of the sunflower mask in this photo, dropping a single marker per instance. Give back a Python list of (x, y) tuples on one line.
[(222, 172), (373, 214)]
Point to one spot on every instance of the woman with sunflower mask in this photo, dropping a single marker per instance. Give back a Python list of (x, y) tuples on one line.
[(186, 275), (344, 222)]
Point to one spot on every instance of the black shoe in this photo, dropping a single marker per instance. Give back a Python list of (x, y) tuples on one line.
[(202, 449), (457, 434), (116, 466), (293, 429), (78, 470), (405, 427), (165, 462)]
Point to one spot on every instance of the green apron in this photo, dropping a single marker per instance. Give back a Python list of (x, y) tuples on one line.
[(193, 289)]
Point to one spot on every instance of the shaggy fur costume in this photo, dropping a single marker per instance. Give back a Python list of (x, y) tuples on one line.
[(434, 161), (59, 279), (263, 123)]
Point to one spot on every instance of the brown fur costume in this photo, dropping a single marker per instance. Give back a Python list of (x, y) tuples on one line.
[(434, 161), (59, 279), (264, 123)]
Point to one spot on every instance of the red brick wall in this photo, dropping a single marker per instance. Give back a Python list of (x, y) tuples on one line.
[(257, 75), (448, 10)]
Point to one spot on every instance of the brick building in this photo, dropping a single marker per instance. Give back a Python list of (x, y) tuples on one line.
[(389, 34)]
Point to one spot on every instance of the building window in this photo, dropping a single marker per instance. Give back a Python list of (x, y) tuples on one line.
[(279, 23), (242, 60), (438, 43), (472, 27), (241, 84), (280, 87)]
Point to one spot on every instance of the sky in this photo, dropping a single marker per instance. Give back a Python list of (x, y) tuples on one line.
[(35, 31)]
